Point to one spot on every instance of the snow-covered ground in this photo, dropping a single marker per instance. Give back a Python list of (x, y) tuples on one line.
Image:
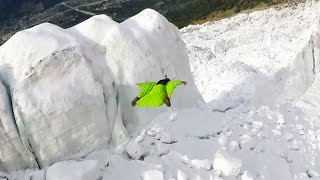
[(257, 72)]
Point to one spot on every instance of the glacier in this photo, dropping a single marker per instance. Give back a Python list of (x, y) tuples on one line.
[(65, 91), (250, 109)]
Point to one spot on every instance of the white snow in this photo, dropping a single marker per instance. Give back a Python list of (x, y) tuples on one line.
[(71, 88), (257, 72), (181, 175), (153, 175), (67, 170), (162, 149), (247, 176), (228, 165), (205, 164)]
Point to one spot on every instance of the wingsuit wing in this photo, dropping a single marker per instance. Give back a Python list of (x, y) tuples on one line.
[(145, 88), (171, 85), (154, 98)]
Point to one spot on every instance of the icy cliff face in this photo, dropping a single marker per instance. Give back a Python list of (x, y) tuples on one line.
[(13, 152), (264, 56), (61, 88)]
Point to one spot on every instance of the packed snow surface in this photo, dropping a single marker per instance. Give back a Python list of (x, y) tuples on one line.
[(257, 72)]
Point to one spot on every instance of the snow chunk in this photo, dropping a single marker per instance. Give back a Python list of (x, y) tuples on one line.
[(204, 164), (173, 116), (158, 137), (61, 107), (162, 149), (70, 170), (234, 145), (24, 175), (181, 175), (258, 124), (222, 140), (228, 165), (247, 176), (135, 150), (295, 145), (153, 175), (140, 138), (167, 139)]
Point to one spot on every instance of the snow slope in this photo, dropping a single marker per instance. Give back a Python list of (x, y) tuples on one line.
[(262, 56), (259, 75)]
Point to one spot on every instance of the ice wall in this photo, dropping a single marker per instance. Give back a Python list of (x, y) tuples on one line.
[(71, 89)]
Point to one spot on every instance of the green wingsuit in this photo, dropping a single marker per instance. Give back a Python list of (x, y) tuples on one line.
[(154, 94)]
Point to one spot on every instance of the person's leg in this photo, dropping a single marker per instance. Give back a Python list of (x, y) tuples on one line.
[(134, 102), (167, 100)]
